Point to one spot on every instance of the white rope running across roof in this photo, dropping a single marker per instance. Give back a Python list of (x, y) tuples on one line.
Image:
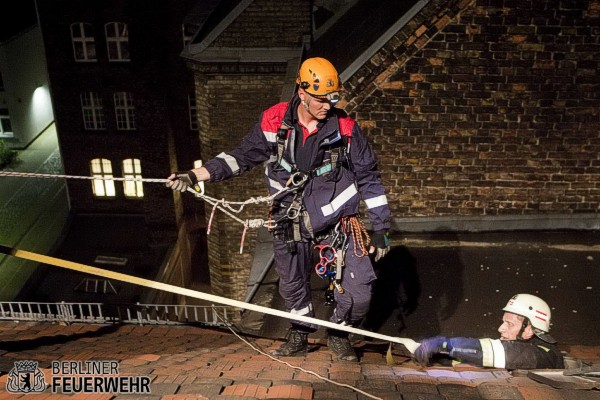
[(409, 344), (230, 208)]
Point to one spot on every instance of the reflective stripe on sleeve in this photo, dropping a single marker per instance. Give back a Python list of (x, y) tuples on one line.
[(270, 136), (275, 185), (376, 201), (339, 201), (231, 163), (493, 353)]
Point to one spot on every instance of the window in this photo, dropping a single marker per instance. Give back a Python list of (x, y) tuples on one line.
[(1, 83), (117, 41), (193, 112), (125, 111), (105, 186), (84, 45), (132, 169), (198, 164), (5, 125), (93, 111), (188, 31)]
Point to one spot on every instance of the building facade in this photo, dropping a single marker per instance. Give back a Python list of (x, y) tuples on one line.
[(483, 114)]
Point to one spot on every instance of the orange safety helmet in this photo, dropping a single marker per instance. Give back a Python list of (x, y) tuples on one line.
[(319, 78)]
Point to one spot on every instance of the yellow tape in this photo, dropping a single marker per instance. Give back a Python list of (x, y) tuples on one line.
[(410, 344)]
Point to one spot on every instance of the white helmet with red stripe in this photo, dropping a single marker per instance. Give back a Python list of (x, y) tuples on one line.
[(532, 308)]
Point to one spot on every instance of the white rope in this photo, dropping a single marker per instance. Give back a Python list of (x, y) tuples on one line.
[(229, 326), (409, 344), (56, 176), (228, 207)]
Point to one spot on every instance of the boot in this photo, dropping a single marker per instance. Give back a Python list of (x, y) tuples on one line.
[(296, 345), (340, 346)]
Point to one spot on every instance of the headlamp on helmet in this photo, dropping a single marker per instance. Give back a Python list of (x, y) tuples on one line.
[(319, 78)]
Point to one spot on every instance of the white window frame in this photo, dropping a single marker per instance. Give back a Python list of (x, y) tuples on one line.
[(84, 46), (117, 41), (193, 112), (132, 169), (3, 123), (105, 187), (124, 111), (92, 110)]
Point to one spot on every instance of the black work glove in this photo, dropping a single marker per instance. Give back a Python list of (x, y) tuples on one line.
[(182, 180), (381, 242), (430, 347)]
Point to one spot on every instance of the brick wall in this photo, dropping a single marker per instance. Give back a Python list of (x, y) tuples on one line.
[(268, 23), (225, 117), (487, 108), (230, 98)]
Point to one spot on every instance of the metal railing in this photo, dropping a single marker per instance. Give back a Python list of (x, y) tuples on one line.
[(150, 314)]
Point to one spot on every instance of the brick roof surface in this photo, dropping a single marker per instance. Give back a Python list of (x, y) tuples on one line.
[(190, 362)]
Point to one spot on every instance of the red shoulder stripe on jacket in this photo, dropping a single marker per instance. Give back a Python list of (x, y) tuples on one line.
[(272, 117), (346, 124)]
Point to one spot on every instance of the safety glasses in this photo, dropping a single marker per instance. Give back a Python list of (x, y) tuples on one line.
[(333, 98)]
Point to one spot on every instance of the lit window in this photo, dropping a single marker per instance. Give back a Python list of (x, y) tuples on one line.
[(84, 44), (132, 169), (105, 186), (117, 41), (124, 111), (198, 164), (93, 111), (193, 112)]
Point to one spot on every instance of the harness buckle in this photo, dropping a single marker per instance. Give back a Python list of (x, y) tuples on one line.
[(297, 179)]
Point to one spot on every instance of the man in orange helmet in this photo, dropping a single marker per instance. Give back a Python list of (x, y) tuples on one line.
[(320, 165)]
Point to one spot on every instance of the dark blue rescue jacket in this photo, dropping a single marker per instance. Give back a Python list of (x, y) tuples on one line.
[(327, 197)]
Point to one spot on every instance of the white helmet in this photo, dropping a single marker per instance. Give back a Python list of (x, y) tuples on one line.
[(532, 308)]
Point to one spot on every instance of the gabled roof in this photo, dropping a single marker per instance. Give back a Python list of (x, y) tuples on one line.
[(361, 31), (219, 14)]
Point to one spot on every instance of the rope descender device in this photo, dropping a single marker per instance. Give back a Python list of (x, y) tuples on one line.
[(327, 255)]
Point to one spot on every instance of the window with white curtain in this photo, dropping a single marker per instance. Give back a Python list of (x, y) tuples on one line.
[(132, 169), (117, 41), (84, 44), (104, 186)]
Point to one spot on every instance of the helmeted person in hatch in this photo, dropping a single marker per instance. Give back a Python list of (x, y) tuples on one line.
[(524, 340), (321, 153)]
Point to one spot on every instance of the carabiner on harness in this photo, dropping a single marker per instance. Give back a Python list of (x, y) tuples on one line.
[(297, 180)]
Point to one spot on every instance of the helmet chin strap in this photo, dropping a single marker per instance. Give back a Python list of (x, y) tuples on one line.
[(305, 105), (524, 325)]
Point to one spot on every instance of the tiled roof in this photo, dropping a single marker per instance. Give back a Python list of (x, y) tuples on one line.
[(185, 362)]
